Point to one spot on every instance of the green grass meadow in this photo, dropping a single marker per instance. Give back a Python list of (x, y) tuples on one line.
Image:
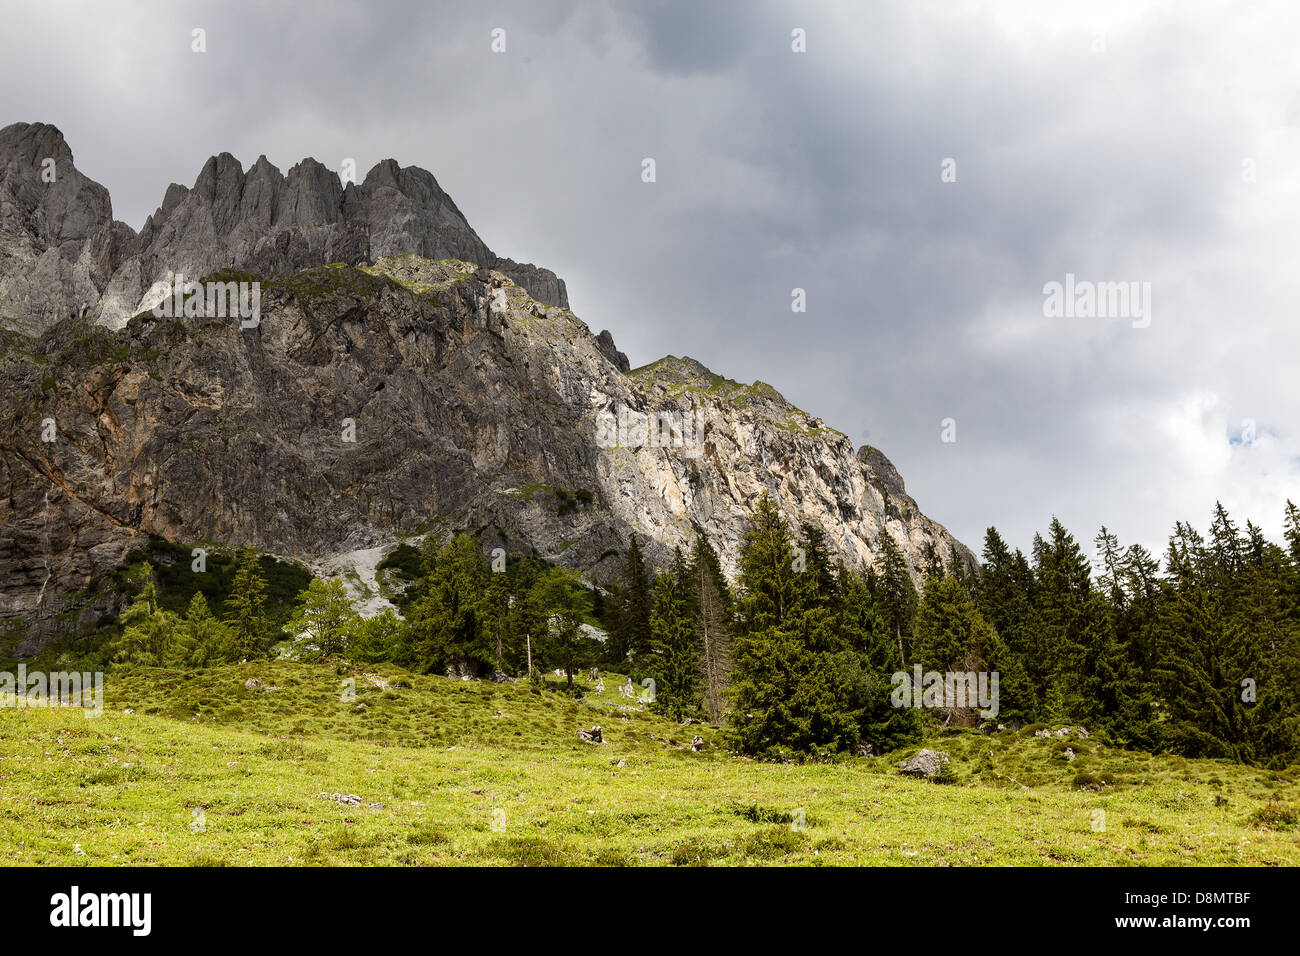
[(193, 768)]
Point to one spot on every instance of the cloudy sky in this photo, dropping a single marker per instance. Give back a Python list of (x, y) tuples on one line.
[(1155, 143)]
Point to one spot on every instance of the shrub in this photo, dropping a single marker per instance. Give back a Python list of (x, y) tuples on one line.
[(1276, 815), (695, 853), (774, 842)]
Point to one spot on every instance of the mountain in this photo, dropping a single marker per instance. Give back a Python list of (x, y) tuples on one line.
[(418, 391)]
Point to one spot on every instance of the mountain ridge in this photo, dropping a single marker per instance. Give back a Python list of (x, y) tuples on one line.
[(473, 405), (259, 219)]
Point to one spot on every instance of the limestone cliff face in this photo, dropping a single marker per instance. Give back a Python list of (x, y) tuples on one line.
[(379, 402)]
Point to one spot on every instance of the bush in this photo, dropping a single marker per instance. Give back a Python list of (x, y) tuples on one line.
[(755, 813), (774, 842), (1276, 815), (1087, 781), (695, 853)]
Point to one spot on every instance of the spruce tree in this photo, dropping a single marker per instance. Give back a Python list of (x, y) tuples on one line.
[(563, 605), (449, 618), (895, 593), (633, 637), (868, 669), (151, 635), (673, 662), (789, 690), (711, 610), (1063, 583), (246, 608)]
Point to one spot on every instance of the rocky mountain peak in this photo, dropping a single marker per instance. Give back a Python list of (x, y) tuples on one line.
[(62, 255), (30, 143)]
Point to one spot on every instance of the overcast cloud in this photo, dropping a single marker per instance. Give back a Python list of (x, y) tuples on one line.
[(1108, 140)]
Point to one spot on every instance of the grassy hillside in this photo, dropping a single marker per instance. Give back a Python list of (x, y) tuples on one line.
[(195, 768)]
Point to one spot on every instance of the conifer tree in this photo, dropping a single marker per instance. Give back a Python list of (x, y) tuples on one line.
[(960, 568), (562, 602), (448, 619), (207, 641), (246, 608), (324, 616), (673, 661), (633, 636), (711, 608), (1063, 583), (789, 691), (1192, 645), (895, 593), (151, 635)]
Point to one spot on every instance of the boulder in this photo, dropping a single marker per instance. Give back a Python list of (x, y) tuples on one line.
[(351, 799), (927, 764)]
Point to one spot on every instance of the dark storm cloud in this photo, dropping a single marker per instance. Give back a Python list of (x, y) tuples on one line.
[(1101, 140)]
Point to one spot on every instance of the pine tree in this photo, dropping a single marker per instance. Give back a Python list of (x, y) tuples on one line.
[(207, 641), (563, 603), (711, 607), (324, 616), (789, 692), (151, 635), (246, 607), (633, 636), (673, 661), (895, 593)]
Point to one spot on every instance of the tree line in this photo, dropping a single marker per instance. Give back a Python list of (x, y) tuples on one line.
[(1200, 656), (798, 655)]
